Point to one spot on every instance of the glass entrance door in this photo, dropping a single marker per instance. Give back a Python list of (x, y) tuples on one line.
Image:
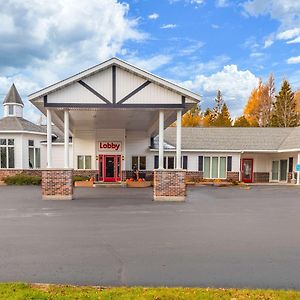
[(283, 169), (110, 168), (279, 170), (275, 170), (247, 170)]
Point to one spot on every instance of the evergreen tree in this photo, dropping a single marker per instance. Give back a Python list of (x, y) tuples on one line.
[(241, 122), (219, 102), (284, 108), (266, 102), (223, 119)]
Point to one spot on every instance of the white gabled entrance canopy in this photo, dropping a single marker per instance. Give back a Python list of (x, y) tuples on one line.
[(114, 95), (132, 96)]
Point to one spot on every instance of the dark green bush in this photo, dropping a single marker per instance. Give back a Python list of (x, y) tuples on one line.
[(80, 178), (21, 179)]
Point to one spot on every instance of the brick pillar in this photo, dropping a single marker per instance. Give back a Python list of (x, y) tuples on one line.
[(57, 184), (169, 185)]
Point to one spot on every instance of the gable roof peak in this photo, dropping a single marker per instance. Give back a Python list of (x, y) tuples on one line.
[(13, 96)]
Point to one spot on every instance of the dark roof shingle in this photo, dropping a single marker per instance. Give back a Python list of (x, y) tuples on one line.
[(13, 96), (20, 124), (234, 138)]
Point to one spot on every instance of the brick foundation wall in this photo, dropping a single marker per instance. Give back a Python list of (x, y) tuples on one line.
[(234, 176), (169, 185), (57, 184), (89, 173), (261, 177), (194, 175), (13, 172), (129, 173)]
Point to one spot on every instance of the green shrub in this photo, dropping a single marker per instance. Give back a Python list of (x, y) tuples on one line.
[(80, 178), (22, 179)]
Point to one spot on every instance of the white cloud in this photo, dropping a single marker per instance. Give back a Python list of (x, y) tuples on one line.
[(288, 34), (268, 42), (294, 41), (287, 12), (256, 54), (189, 50), (197, 3), (194, 68), (222, 3), (236, 86), (294, 60), (153, 16), (168, 26), (215, 26), (152, 63), (51, 40)]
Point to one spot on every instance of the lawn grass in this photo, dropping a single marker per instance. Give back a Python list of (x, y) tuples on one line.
[(20, 291)]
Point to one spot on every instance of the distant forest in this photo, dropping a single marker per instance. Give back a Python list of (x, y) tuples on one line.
[(265, 108)]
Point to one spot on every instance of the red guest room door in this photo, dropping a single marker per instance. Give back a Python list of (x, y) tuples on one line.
[(247, 170)]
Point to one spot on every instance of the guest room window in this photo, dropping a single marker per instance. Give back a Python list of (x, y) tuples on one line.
[(84, 162), (138, 162), (169, 162), (214, 167)]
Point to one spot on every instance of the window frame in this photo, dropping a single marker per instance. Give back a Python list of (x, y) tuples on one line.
[(36, 158), (84, 157), (138, 157), (9, 144), (11, 110), (218, 166)]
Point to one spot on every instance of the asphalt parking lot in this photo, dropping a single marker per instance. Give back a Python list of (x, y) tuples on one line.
[(221, 237)]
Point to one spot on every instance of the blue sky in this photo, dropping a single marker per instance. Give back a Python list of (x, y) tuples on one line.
[(204, 45)]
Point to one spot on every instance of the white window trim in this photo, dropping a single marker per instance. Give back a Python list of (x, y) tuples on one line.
[(167, 162), (139, 161), (279, 170), (7, 158), (13, 110), (34, 155), (210, 167), (84, 167)]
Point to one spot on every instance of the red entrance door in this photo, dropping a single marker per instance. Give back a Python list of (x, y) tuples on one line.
[(247, 170), (110, 168)]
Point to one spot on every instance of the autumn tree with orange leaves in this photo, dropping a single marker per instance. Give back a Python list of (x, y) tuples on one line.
[(192, 118), (258, 110)]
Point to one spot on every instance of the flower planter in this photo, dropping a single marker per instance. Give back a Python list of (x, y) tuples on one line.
[(138, 184), (83, 183)]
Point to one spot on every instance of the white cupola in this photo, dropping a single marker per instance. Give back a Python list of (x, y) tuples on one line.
[(13, 104)]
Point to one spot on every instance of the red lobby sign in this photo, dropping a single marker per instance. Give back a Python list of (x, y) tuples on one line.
[(110, 146)]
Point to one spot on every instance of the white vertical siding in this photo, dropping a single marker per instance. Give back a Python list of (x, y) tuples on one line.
[(102, 83), (155, 94), (74, 93), (126, 83), (84, 144)]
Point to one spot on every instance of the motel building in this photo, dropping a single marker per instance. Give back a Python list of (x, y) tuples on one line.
[(108, 120)]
